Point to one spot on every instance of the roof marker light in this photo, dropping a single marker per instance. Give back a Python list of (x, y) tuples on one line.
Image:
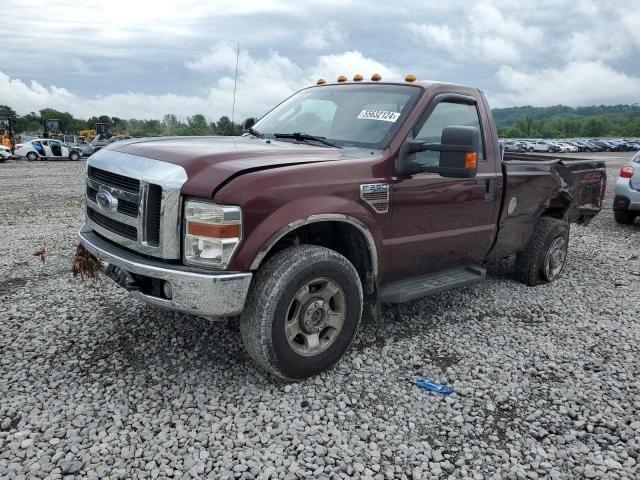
[(410, 77), (376, 77), (342, 78), (321, 81), (357, 77)]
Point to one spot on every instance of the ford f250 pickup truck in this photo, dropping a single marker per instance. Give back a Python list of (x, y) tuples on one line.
[(345, 196)]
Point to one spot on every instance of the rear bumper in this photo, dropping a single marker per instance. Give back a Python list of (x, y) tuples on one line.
[(626, 198), (193, 291)]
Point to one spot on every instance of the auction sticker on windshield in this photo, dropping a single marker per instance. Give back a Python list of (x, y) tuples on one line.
[(379, 115)]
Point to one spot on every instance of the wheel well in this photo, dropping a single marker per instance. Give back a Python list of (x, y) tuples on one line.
[(559, 206), (341, 237)]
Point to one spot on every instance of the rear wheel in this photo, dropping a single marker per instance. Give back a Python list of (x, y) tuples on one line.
[(302, 312), (545, 256), (32, 156), (624, 217)]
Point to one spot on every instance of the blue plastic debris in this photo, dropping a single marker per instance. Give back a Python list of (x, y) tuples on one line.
[(432, 386)]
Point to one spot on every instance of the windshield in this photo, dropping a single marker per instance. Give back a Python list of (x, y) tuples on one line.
[(359, 115)]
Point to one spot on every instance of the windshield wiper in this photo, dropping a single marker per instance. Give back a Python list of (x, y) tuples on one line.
[(301, 137), (255, 132)]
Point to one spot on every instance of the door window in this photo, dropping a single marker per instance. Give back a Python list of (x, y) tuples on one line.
[(447, 114)]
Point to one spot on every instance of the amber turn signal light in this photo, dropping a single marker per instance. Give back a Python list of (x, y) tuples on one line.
[(321, 81), (376, 77), (471, 160), (357, 77), (213, 231), (410, 77), (342, 78)]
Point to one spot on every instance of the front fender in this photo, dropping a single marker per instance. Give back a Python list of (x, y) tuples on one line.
[(265, 234)]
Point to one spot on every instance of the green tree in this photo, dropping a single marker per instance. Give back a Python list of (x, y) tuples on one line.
[(225, 126), (7, 111), (198, 125)]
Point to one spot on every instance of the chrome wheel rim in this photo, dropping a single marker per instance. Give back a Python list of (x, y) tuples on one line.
[(315, 317), (555, 258)]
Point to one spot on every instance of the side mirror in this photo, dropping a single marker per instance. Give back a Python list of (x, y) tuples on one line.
[(458, 153), (248, 123)]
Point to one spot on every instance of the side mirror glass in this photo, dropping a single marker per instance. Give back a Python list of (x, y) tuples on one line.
[(248, 123), (458, 149)]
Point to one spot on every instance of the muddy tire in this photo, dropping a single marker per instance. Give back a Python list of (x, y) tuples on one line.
[(545, 256), (624, 218), (302, 312)]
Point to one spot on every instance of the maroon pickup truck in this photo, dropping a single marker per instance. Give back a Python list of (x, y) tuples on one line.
[(345, 196)]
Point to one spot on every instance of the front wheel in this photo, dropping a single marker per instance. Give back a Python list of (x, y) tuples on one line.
[(32, 156), (302, 312), (74, 156), (545, 256)]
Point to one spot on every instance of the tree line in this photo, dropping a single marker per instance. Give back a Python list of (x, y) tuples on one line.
[(32, 123), (561, 121)]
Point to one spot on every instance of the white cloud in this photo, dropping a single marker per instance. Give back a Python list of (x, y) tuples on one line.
[(262, 83), (437, 35), (498, 50), (324, 37), (487, 20), (577, 83), (485, 34), (156, 58), (349, 63)]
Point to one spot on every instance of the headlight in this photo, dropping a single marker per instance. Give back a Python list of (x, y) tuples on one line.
[(212, 233)]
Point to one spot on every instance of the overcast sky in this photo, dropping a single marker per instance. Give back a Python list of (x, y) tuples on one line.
[(128, 59)]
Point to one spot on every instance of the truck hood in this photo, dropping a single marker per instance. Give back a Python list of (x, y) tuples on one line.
[(212, 161)]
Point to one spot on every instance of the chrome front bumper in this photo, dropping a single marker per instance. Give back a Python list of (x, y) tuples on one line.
[(193, 291)]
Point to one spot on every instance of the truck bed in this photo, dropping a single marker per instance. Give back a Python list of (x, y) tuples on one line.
[(571, 188)]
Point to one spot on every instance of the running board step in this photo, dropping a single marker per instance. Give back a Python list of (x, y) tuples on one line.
[(417, 287)]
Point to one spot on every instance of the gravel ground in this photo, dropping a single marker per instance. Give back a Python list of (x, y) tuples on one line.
[(94, 384)]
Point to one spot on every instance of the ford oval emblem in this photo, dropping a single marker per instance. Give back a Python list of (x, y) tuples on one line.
[(106, 201)]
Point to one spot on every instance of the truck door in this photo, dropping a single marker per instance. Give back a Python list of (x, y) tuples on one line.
[(441, 222)]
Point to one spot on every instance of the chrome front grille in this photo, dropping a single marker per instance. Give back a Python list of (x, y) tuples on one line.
[(135, 201), (113, 179)]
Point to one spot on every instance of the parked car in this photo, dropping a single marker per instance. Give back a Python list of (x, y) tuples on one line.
[(118, 138), (46, 149), (567, 147), (5, 153), (605, 146), (343, 197), (585, 146), (516, 147), (78, 142), (626, 203), (545, 146), (98, 142)]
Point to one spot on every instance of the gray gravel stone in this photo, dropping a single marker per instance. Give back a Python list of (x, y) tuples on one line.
[(95, 384)]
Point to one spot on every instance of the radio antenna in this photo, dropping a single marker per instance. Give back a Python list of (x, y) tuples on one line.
[(235, 86)]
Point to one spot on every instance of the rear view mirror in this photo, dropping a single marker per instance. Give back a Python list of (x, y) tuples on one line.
[(458, 153)]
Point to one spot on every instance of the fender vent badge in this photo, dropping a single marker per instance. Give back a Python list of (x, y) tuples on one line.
[(376, 195)]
